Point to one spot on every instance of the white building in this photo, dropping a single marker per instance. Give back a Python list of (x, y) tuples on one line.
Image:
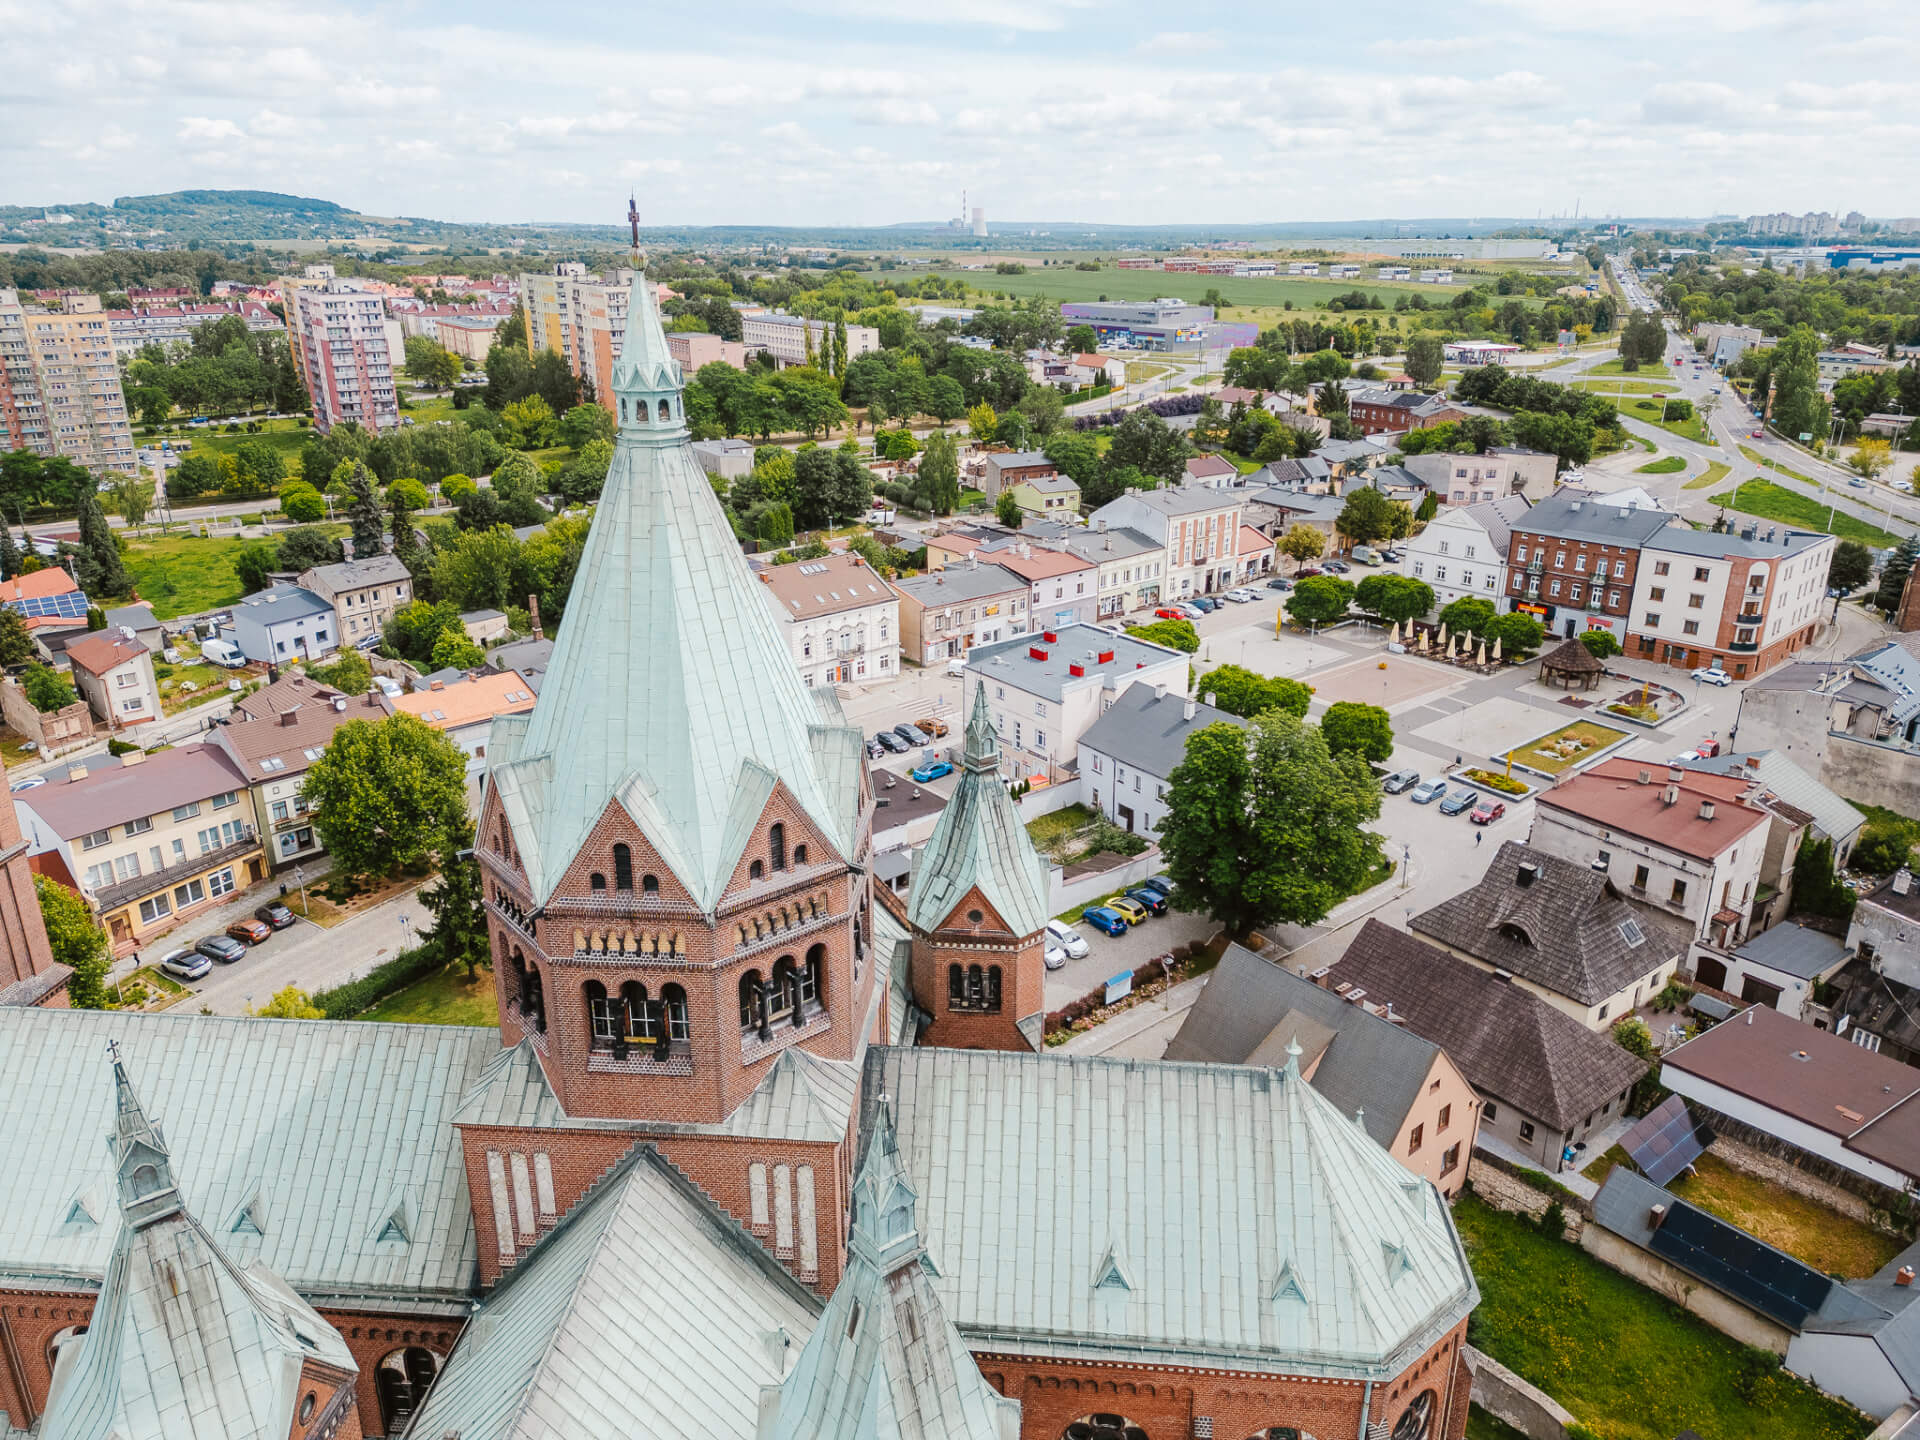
[(1740, 602), (341, 348), (1127, 754), (113, 672), (785, 337), (1463, 550), (1502, 471), (1198, 527), (842, 620)]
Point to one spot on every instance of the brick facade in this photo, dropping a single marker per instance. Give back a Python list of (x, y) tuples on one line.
[(24, 952), (1556, 579), (964, 1022)]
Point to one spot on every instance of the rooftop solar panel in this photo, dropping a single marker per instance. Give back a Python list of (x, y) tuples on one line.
[(1663, 1141), (71, 605), (1753, 1273)]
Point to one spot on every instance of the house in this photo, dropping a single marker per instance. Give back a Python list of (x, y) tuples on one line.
[(1007, 467), (464, 710), (1198, 527), (1874, 998), (1741, 601), (48, 599), (1255, 557), (1396, 482), (284, 624), (484, 626), (840, 618), (1833, 818), (1344, 458), (943, 615), (273, 736), (1867, 1351), (1214, 470), (113, 672), (363, 593), (1046, 689), (1129, 564), (1046, 496), (1781, 967), (1463, 550), (529, 657), (138, 617), (1274, 512), (1377, 411), (150, 841), (1572, 562), (1127, 754), (1406, 1092), (729, 458), (1307, 475), (1502, 471), (1560, 930), (1544, 1079), (1100, 369), (1806, 1093), (1065, 586)]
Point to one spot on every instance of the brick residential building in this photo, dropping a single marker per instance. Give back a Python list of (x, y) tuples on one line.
[(1740, 601), (1010, 467), (1376, 412), (1572, 563), (1065, 585)]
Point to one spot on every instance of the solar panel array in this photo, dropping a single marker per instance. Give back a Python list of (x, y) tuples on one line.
[(1755, 1274), (1663, 1142), (69, 605)]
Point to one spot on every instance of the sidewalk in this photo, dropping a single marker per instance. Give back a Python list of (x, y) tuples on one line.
[(1141, 1033)]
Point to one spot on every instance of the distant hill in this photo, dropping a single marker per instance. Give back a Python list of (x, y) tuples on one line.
[(182, 202)]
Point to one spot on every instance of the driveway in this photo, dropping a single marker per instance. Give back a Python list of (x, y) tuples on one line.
[(1109, 955)]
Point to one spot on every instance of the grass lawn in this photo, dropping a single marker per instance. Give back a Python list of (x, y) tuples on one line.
[(1616, 367), (1482, 1426), (1716, 472), (1138, 370), (161, 990), (1775, 502), (1562, 749), (448, 998), (1803, 1227), (1766, 463), (1629, 1364), (1691, 428), (1052, 828), (187, 685), (1665, 465), (11, 752), (286, 436), (1241, 292), (184, 574), (1624, 387)]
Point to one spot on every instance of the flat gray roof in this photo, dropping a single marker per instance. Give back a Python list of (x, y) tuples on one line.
[(1042, 667)]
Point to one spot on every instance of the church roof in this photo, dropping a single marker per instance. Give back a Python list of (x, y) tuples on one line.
[(672, 690), (979, 841), (647, 1311), (1160, 1213)]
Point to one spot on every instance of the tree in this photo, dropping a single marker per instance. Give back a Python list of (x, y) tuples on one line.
[(1469, 614), (131, 497), (1425, 358), (10, 559), (1885, 846), (254, 565), (1893, 575), (1643, 341), (1145, 441), (829, 486), (364, 515), (981, 421), (291, 1003), (258, 466), (454, 900), (97, 554), (383, 792), (1851, 567), (1396, 599), (1012, 430), (1870, 456), (304, 506), (1518, 635), (1240, 691), (415, 629), (74, 941), (475, 572), (1366, 517), (946, 401), (1817, 890), (1075, 455), (46, 690), (531, 423), (585, 423), (1081, 340), (1600, 644), (351, 674), (1363, 730), (454, 651), (16, 640), (1264, 824), (1174, 634), (1007, 509), (1798, 407), (306, 546), (1319, 600), (407, 495), (1302, 543), (936, 488)]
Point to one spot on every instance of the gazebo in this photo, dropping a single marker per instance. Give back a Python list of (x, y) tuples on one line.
[(1570, 664)]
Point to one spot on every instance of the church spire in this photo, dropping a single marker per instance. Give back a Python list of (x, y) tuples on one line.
[(982, 749), (143, 1166), (885, 1231)]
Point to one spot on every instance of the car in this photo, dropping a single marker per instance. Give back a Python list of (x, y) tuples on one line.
[(275, 914), (875, 750), (1190, 611), (1684, 756), (1169, 612), (1279, 582), (1365, 555), (1067, 938), (1905, 487), (1457, 800), (1053, 957), (1308, 572), (1488, 811), (1392, 555), (1203, 604), (185, 964), (1105, 919), (1427, 791), (32, 782), (1400, 780), (913, 735), (933, 725), (1149, 899), (219, 947), (1158, 882), (1756, 434), (1242, 596), (1713, 675), (932, 770), (890, 742), (1132, 911), (253, 932)]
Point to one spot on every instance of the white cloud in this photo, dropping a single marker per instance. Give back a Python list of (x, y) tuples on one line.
[(1182, 42), (897, 112), (272, 122), (203, 130)]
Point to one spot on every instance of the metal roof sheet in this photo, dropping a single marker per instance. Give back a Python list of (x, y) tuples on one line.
[(1148, 731)]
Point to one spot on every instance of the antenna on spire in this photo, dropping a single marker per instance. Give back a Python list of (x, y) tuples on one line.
[(633, 224)]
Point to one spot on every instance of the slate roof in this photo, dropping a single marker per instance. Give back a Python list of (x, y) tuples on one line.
[(957, 584), (1251, 1008), (1305, 470), (1564, 926), (1498, 517), (1772, 543), (530, 657), (1833, 815), (332, 580), (1794, 950), (1897, 670), (1154, 1213), (1147, 731), (1577, 517), (1511, 1045)]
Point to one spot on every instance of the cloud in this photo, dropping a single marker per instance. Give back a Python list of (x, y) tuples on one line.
[(1182, 42), (272, 122), (202, 130), (897, 112)]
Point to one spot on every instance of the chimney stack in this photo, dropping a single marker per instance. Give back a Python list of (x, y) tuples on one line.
[(1527, 874), (533, 615), (1646, 777), (1902, 881), (1211, 697), (288, 717), (1671, 795), (1706, 810), (1903, 1277), (1186, 710), (76, 771)]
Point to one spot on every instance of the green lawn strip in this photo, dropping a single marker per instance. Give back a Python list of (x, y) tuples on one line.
[(184, 574), (1774, 502), (1057, 825), (1665, 465), (1766, 464), (281, 435), (447, 998), (1238, 291), (1624, 387), (1483, 1426), (1590, 1337), (1648, 411), (1715, 473)]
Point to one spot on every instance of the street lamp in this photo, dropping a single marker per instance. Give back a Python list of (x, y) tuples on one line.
[(300, 879)]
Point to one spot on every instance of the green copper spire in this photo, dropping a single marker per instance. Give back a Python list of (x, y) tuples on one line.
[(982, 750), (143, 1166)]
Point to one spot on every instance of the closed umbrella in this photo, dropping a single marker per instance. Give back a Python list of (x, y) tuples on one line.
[(1393, 635), (1496, 648), (1443, 632), (1483, 652)]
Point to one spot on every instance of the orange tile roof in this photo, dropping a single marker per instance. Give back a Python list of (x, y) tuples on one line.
[(1612, 794), (51, 580), (1252, 542), (466, 702), (101, 651)]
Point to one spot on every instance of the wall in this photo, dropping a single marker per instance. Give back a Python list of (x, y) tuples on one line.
[(1894, 938), (1796, 724), (1861, 770), (1036, 803), (1694, 1295), (1758, 1124), (1779, 1164), (55, 733), (1850, 1366), (1503, 1394), (1502, 1186), (1064, 894)]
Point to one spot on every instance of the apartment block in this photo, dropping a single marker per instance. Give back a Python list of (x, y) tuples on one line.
[(582, 316), (344, 354), (785, 337), (1740, 602), (60, 385)]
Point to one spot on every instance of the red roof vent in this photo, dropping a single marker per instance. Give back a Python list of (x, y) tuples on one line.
[(1076, 669), (1034, 652), (1049, 637), (1105, 657)]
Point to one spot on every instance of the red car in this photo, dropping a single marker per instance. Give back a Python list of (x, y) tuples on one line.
[(1310, 570), (1167, 612), (251, 931), (1488, 811)]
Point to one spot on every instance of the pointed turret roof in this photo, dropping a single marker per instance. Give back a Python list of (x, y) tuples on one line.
[(979, 841), (671, 689), (143, 1166)]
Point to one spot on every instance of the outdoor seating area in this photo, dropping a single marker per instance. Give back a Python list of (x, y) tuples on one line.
[(1459, 647)]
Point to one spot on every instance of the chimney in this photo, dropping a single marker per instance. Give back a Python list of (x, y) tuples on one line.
[(1670, 796), (133, 757), (1902, 881), (1753, 762), (1159, 692), (437, 685), (1210, 697), (1706, 809), (287, 716), (766, 577), (1527, 874), (1675, 774), (1903, 1276), (533, 615), (76, 771), (1656, 1216), (1186, 710), (1646, 777), (1323, 977), (973, 560)]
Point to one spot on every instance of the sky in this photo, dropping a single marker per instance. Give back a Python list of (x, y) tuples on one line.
[(871, 112)]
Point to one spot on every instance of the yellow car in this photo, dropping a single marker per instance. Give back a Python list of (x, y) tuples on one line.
[(1133, 910)]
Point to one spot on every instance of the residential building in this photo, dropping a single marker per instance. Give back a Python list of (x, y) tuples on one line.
[(1099, 369), (1545, 1081), (139, 618), (363, 593), (48, 599), (1780, 780), (1781, 967), (694, 348), (1347, 458), (483, 627), (840, 618), (1376, 412), (1691, 844), (150, 841), (1008, 467), (582, 316), (530, 657), (1064, 585), (465, 708), (1502, 471), (1126, 756), (1046, 689), (1740, 602), (1214, 470), (1853, 724), (174, 324), (729, 459), (1885, 928), (283, 624), (790, 338), (1572, 564), (1400, 1086), (945, 614), (1199, 528), (1874, 998), (1307, 475), (338, 334), (1046, 497), (1129, 563), (1462, 551), (60, 386), (1561, 930), (272, 737), (1854, 358), (113, 672), (1273, 512), (424, 318), (1256, 554)]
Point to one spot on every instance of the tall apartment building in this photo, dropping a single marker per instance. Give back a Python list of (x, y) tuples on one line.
[(342, 350), (60, 385), (785, 337), (580, 315)]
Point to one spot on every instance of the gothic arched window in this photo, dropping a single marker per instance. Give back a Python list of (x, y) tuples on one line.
[(777, 845), (756, 870), (664, 412), (784, 1003), (638, 1014), (813, 975), (674, 1000), (752, 1003), (600, 1016), (622, 868)]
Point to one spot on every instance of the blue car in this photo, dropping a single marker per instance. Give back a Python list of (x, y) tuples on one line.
[(1202, 602), (1147, 895), (1157, 882), (933, 771), (1458, 800), (1108, 922)]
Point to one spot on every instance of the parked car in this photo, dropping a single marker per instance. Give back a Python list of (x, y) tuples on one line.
[(933, 725), (1070, 940), (1400, 780), (32, 782), (1427, 791), (1169, 612), (1488, 811), (932, 771), (1713, 675), (1308, 572), (1149, 899), (1205, 604), (1158, 882), (1242, 596), (219, 947), (875, 750), (1366, 555), (186, 964), (1337, 567), (1105, 919), (251, 931), (1132, 911), (1053, 957), (1457, 800), (913, 735), (274, 914), (1279, 582), (890, 742)]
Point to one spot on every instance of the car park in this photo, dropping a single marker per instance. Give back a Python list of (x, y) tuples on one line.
[(931, 771), (1400, 780), (890, 742), (1428, 791), (1105, 919), (1713, 675), (186, 964), (1454, 801), (1070, 940), (914, 736), (1279, 582), (1242, 596), (933, 725), (1158, 882), (1132, 911), (1488, 811), (253, 932), (274, 914), (1148, 899), (219, 947)]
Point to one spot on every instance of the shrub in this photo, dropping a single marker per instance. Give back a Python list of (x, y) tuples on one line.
[(1885, 846), (1494, 780), (343, 1002)]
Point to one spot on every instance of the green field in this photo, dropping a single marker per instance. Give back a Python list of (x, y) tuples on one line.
[(1715, 473), (1648, 412), (1623, 387), (1236, 290), (286, 436), (184, 574), (1790, 507), (448, 998)]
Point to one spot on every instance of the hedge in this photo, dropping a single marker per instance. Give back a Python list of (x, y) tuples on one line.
[(343, 1002)]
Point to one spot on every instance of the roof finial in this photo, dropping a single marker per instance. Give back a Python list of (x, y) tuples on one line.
[(1294, 1052), (633, 223)]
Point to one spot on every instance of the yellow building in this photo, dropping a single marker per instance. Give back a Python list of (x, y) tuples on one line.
[(60, 384)]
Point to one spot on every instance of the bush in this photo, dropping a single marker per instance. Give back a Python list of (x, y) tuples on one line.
[(343, 1002), (1885, 846), (1494, 780)]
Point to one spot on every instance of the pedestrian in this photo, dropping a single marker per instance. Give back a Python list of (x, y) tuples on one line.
[(1478, 836)]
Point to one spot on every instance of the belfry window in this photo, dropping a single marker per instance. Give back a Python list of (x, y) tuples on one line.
[(665, 414), (777, 845), (649, 885), (674, 1000), (752, 1001), (600, 1016), (622, 868), (784, 1001), (636, 1013)]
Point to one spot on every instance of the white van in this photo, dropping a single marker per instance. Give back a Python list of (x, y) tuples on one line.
[(222, 652)]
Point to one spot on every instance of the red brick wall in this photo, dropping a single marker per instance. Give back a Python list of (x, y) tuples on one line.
[(28, 1321), (987, 942)]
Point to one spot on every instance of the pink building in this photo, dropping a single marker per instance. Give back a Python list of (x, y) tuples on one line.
[(338, 332)]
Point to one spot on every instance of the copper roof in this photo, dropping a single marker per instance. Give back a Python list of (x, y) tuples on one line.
[(1630, 795)]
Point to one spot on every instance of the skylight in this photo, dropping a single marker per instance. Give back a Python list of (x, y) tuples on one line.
[(1631, 932)]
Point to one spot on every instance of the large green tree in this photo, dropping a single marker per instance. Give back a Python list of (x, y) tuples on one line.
[(1798, 406), (1396, 599), (97, 557), (1240, 691), (454, 900), (1469, 613), (1319, 600), (1850, 568), (75, 940), (1363, 730), (1425, 358), (364, 515), (1366, 517), (1893, 575), (16, 640), (1302, 543), (384, 792), (936, 486), (1518, 635)]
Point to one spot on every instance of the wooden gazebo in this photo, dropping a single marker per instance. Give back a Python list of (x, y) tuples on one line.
[(1570, 664)]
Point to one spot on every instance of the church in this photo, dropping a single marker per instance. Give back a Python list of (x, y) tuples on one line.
[(758, 1151)]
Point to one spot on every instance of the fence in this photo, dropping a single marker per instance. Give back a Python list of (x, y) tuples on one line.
[(1065, 894)]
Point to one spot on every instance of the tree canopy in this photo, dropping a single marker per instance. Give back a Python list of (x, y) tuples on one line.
[(384, 792)]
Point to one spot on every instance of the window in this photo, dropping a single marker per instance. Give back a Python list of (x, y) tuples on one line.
[(1446, 1118), (1700, 572), (1489, 1111), (138, 827), (1695, 602), (777, 845), (1603, 1010), (186, 812), (1555, 588), (1580, 563), (220, 882), (674, 1000), (221, 802), (191, 893), (600, 1020), (622, 868), (649, 884), (1526, 1130), (1660, 567), (96, 839), (279, 810), (973, 987), (1559, 558), (757, 870), (634, 1015), (1658, 592), (1640, 875), (154, 909), (1415, 1140), (596, 882), (1573, 594), (1690, 627), (1679, 896), (1651, 620), (752, 1001), (1450, 1159), (1619, 569)]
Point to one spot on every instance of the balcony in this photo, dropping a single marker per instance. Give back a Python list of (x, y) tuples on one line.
[(1743, 647), (139, 887)]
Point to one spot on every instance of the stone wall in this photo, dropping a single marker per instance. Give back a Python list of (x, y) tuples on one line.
[(1790, 1176), (1878, 774), (1727, 1316), (1504, 1395), (54, 733), (1505, 1186)]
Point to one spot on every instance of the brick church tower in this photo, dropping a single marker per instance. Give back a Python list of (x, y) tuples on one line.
[(978, 912)]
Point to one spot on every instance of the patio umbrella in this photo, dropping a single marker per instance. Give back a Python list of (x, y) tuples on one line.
[(1496, 647), (1393, 635), (1443, 632), (1483, 652)]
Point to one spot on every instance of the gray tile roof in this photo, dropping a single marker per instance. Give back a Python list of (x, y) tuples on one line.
[(283, 602), (1153, 1213), (1180, 500), (1579, 518), (1366, 1061), (1511, 1045), (1897, 670), (958, 584), (1497, 517), (1834, 816), (1018, 459), (1561, 925), (1772, 543), (1794, 950), (332, 580), (1013, 662), (1148, 731)]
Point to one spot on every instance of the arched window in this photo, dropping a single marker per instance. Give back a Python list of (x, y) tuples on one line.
[(992, 998), (59, 1341), (649, 884), (752, 1003), (674, 1000), (756, 870), (637, 1012), (956, 988), (664, 412), (622, 868), (400, 1383), (533, 1000), (623, 409), (1280, 1432), (1417, 1421), (777, 845), (1103, 1427), (597, 881), (783, 1004), (812, 976), (799, 856), (146, 1180), (601, 1026)]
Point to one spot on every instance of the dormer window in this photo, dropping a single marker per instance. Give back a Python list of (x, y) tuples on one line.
[(1511, 931)]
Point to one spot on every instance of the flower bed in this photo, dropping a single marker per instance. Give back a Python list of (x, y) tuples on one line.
[(1645, 714), (1494, 780), (1149, 980), (1558, 751)]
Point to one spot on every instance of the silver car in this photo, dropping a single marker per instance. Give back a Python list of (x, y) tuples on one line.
[(1427, 791), (186, 964)]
